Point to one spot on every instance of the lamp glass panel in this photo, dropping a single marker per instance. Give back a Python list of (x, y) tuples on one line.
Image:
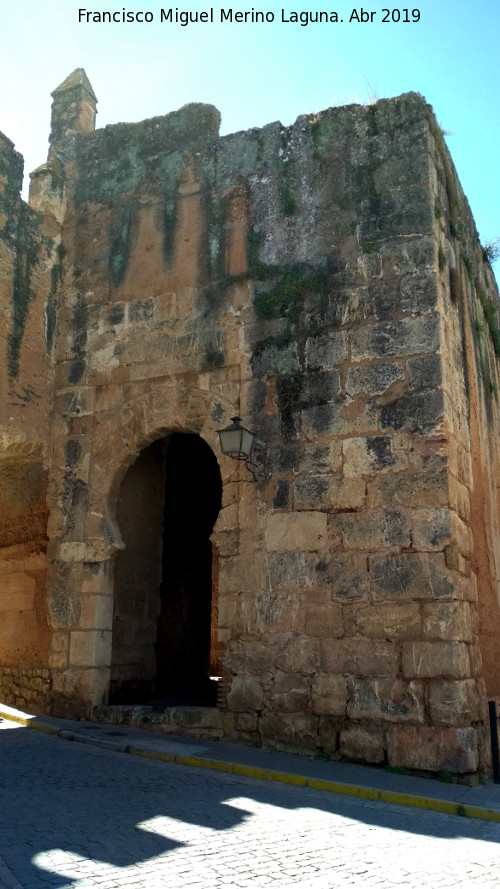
[(230, 441), (246, 442)]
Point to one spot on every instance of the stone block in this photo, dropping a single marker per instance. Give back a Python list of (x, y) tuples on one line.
[(410, 576), (433, 660), (324, 457), (373, 379), (394, 621), (246, 694), (290, 693), (386, 699), (324, 620), (346, 493), (326, 349), (425, 372), (459, 499), (457, 702), (344, 575), (271, 359), (238, 573), (295, 733), (80, 690), (370, 454), (299, 655), (423, 488), (372, 529), (437, 528), (454, 621), (454, 750), (408, 336), (359, 417), (252, 657), (311, 492), (359, 657), (295, 531), (328, 733), (97, 613), (272, 612), (90, 648), (325, 492), (329, 695), (419, 412), (362, 743), (289, 571), (419, 293)]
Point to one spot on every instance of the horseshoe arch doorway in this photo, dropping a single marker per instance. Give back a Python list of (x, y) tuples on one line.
[(165, 592)]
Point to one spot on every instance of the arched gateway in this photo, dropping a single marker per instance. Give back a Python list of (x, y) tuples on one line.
[(165, 595)]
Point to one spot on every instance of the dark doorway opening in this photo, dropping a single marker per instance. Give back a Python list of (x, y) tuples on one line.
[(165, 612)]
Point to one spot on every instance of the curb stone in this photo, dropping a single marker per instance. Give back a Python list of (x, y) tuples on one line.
[(266, 774)]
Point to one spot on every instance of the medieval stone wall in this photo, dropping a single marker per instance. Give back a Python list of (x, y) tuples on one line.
[(325, 282), (26, 247)]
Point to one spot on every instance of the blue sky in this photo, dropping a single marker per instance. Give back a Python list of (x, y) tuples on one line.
[(258, 73)]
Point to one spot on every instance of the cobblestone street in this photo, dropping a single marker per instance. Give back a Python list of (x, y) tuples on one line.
[(79, 816)]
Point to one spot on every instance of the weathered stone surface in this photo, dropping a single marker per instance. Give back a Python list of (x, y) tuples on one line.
[(368, 454), (324, 620), (290, 693), (397, 338), (202, 279), (246, 694), (359, 657), (373, 379), (295, 531), (426, 372), (410, 575), (289, 571), (454, 621), (387, 699), (329, 695), (295, 732), (272, 612), (419, 292), (458, 702), (419, 412), (326, 350), (344, 575), (429, 488), (362, 743), (250, 657), (426, 660), (452, 750), (299, 656), (372, 529), (394, 621), (437, 528)]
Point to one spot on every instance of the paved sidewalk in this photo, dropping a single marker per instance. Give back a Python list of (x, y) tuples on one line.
[(365, 782)]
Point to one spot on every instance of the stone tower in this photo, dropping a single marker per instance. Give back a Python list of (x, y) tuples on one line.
[(325, 282)]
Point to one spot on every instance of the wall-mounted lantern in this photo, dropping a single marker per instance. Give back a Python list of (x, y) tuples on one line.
[(237, 442)]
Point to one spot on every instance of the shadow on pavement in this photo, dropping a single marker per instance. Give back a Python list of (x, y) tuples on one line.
[(57, 795)]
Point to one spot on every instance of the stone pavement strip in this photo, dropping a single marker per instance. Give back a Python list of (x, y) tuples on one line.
[(365, 782)]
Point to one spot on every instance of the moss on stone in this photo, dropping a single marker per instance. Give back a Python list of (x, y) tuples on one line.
[(285, 299), (119, 252), (22, 293)]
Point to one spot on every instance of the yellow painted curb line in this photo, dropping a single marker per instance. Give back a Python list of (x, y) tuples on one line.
[(234, 768)]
